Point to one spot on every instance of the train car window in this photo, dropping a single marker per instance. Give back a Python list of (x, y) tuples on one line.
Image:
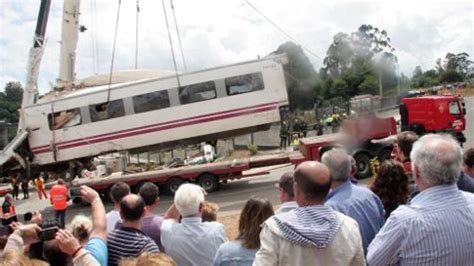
[(108, 110), (64, 119), (244, 83), (197, 92), (151, 101)]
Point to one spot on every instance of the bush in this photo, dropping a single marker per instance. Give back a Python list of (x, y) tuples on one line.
[(253, 149)]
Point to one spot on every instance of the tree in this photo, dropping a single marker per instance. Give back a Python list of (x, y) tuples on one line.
[(450, 76), (14, 91), (459, 62), (354, 63), (453, 68), (339, 55), (10, 101), (418, 72), (300, 76)]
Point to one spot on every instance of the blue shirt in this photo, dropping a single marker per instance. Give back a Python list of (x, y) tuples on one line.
[(360, 204), (233, 253), (192, 242), (98, 249), (437, 228), (465, 182)]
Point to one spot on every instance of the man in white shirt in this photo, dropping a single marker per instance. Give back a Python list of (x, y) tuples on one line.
[(117, 193), (191, 241), (436, 228)]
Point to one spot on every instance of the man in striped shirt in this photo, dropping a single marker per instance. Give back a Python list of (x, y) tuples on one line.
[(437, 227), (129, 241)]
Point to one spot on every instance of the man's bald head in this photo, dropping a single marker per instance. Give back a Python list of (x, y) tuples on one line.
[(132, 208), (313, 180)]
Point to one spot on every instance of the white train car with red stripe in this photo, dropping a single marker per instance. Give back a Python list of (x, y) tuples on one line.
[(155, 113)]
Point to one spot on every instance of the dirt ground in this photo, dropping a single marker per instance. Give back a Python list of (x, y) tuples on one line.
[(231, 223), (467, 92)]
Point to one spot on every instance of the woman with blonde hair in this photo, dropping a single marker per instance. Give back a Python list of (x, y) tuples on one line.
[(81, 227), (148, 259), (242, 250)]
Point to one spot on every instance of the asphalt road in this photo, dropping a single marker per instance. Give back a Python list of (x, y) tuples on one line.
[(469, 123)]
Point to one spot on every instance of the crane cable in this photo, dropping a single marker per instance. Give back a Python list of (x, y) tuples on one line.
[(179, 36), (136, 34), (113, 50), (171, 44)]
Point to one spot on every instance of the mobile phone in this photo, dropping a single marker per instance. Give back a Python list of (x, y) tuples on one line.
[(75, 192), (48, 233)]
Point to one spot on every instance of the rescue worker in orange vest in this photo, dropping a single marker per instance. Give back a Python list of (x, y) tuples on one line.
[(8, 211), (59, 197), (39, 182)]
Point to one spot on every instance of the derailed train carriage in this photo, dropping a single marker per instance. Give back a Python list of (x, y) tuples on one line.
[(150, 114)]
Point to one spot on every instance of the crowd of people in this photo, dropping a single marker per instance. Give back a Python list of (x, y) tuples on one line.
[(419, 210)]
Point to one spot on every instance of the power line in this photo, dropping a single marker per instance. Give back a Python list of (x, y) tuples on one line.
[(281, 30)]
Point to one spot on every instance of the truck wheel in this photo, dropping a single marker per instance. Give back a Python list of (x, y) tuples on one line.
[(419, 129), (363, 165), (209, 182), (173, 184)]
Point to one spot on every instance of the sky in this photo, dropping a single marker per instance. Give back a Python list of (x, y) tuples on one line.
[(217, 32)]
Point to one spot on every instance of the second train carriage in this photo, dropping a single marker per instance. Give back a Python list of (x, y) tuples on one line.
[(148, 114)]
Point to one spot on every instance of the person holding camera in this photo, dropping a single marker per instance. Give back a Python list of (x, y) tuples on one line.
[(59, 197), (96, 245), (61, 245), (32, 233)]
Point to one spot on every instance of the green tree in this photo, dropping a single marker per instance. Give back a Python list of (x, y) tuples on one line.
[(355, 62), (453, 68), (10, 101), (458, 62), (450, 76)]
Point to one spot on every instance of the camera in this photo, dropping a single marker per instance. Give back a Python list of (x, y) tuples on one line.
[(75, 192), (48, 233), (48, 230)]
